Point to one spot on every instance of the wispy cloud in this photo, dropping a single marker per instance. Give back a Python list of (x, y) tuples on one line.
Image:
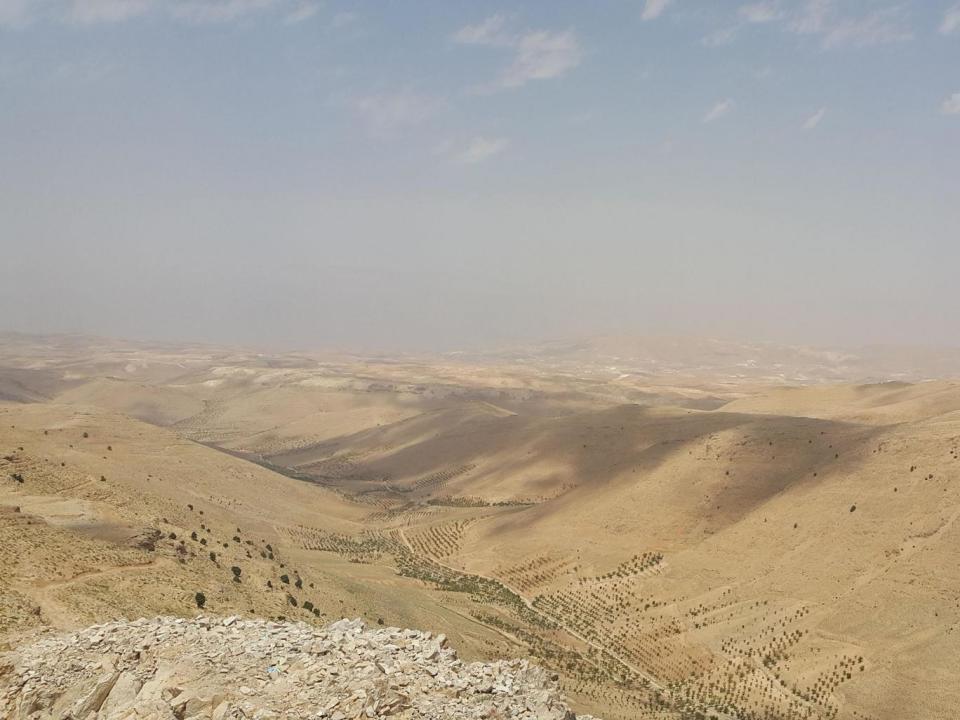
[(480, 149), (951, 106), (386, 115), (18, 13), (301, 13), (951, 21), (486, 32), (543, 55), (538, 55), (760, 12), (653, 9), (97, 11), (879, 27), (217, 11), (718, 110), (811, 122)]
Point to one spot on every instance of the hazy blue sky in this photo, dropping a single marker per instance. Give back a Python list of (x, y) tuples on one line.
[(431, 174)]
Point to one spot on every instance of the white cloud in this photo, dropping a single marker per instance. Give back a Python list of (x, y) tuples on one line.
[(760, 12), (97, 11), (303, 12), (951, 21), (217, 11), (879, 27), (654, 9), (480, 149), (811, 122), (18, 13), (721, 108), (485, 32), (539, 55), (387, 115), (951, 106), (812, 19), (543, 55)]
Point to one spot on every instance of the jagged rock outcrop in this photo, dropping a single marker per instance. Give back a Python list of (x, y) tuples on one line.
[(226, 669)]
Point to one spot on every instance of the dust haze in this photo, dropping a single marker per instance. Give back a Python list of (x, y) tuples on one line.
[(444, 360)]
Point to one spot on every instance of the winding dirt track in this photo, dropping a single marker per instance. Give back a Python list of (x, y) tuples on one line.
[(44, 593)]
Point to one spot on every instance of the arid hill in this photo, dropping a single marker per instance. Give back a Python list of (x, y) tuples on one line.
[(672, 546)]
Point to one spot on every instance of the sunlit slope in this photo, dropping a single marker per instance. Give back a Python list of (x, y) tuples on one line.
[(693, 573), (883, 403), (84, 492), (103, 517), (155, 404)]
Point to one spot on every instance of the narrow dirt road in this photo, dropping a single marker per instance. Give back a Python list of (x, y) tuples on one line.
[(44, 593)]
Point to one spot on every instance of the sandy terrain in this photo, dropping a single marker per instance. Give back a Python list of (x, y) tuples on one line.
[(671, 539)]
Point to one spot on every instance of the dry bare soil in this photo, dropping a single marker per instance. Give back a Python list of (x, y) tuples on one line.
[(677, 538)]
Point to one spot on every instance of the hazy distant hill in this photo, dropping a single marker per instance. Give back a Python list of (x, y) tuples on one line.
[(705, 357)]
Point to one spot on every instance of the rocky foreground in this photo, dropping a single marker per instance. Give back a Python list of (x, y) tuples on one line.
[(226, 669)]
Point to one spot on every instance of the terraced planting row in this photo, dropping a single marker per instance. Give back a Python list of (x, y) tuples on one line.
[(437, 480), (440, 541), (536, 573)]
